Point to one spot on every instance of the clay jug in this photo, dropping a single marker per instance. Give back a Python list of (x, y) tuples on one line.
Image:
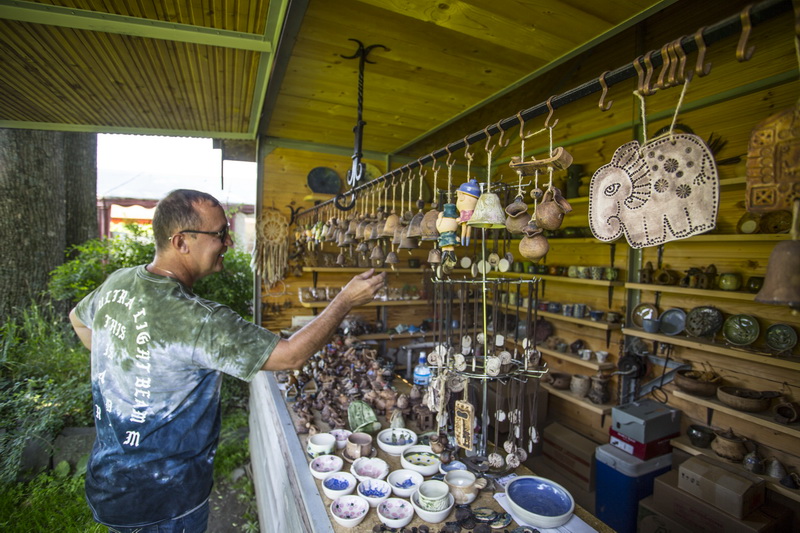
[(550, 212), (729, 446)]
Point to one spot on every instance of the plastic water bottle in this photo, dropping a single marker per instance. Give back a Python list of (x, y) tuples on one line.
[(422, 373)]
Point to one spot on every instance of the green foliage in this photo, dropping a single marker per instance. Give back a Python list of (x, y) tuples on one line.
[(48, 503), (233, 450), (93, 261)]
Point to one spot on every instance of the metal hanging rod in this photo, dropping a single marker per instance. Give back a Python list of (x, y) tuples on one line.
[(751, 16)]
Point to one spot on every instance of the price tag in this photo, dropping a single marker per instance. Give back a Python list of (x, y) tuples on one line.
[(464, 423)]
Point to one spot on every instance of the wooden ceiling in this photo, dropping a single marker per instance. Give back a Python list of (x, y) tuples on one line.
[(233, 69)]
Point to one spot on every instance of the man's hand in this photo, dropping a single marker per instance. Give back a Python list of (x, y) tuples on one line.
[(362, 288)]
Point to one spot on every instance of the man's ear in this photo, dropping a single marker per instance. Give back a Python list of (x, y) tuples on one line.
[(178, 242)]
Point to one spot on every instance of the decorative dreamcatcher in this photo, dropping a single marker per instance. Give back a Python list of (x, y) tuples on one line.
[(271, 252)]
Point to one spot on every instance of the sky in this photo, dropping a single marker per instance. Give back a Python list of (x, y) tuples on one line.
[(148, 167)]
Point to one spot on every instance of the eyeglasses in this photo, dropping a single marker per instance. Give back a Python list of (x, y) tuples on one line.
[(222, 235)]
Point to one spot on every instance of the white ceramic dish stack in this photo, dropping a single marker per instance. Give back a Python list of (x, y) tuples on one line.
[(433, 517)]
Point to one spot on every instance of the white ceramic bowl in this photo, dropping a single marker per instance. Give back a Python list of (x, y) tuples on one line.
[(405, 482), (349, 510), (324, 465), (369, 468), (394, 440), (421, 459), (341, 437), (452, 465), (432, 517), (539, 501), (338, 484), (395, 513), (374, 491)]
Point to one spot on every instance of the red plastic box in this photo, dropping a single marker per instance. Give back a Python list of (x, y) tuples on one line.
[(641, 450)]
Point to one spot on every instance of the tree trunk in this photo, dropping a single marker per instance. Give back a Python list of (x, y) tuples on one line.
[(80, 176), (33, 200)]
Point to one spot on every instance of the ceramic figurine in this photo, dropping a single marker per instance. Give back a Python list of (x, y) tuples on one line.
[(467, 197)]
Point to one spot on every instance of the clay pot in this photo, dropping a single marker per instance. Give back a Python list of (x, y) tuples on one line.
[(579, 385), (685, 380), (599, 392), (534, 248), (729, 446), (516, 223)]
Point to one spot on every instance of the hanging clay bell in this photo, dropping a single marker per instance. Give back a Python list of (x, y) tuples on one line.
[(488, 213), (533, 245), (360, 229), (415, 226), (408, 243), (398, 233), (435, 256), (390, 225), (340, 260), (429, 231), (391, 258), (352, 227), (377, 256), (550, 212), (362, 248)]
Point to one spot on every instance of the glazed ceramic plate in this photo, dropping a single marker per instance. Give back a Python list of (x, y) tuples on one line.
[(704, 321), (672, 322), (781, 337), (642, 311), (741, 330), (465, 262), (484, 266), (503, 265)]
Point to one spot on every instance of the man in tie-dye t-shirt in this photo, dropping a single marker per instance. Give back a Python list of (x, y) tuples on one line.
[(158, 355)]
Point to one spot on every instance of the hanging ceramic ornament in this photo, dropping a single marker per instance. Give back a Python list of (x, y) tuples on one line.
[(665, 190), (464, 424), (467, 197), (493, 366)]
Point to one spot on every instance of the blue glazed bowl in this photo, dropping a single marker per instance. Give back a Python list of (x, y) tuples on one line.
[(540, 502)]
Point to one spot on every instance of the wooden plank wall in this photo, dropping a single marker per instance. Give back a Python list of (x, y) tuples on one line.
[(733, 119)]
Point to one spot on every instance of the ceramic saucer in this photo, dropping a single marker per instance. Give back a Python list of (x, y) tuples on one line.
[(672, 321), (781, 337)]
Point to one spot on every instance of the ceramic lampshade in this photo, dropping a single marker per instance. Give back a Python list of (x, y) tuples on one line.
[(488, 213), (782, 280)]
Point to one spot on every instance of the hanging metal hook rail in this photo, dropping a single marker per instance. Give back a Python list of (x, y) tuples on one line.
[(756, 14)]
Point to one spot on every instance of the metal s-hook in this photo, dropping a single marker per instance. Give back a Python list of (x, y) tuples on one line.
[(672, 78), (742, 52), (550, 115), (646, 89), (603, 105), (701, 68), (500, 142), (665, 63), (681, 55), (640, 73)]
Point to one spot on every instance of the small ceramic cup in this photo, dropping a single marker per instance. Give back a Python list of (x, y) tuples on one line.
[(359, 444), (596, 316), (584, 272), (730, 281), (567, 309), (650, 325), (320, 444), (464, 486), (611, 273), (579, 385), (433, 495), (602, 356), (598, 272), (579, 311), (585, 354), (612, 317), (554, 307)]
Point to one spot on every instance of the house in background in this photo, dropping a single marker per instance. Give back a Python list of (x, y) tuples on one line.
[(113, 213)]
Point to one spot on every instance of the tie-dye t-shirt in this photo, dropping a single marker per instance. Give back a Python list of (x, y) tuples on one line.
[(158, 354)]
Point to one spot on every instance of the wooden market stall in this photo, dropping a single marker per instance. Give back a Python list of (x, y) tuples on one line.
[(729, 96)]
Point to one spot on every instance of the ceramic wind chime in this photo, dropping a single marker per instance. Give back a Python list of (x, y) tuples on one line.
[(663, 190)]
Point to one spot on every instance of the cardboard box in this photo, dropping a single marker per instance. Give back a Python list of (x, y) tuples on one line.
[(733, 490), (641, 450), (570, 452), (651, 521), (646, 421), (697, 515)]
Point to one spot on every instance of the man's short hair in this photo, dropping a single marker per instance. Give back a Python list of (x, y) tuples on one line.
[(176, 212)]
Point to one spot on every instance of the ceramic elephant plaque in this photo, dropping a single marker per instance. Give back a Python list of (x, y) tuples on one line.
[(666, 190)]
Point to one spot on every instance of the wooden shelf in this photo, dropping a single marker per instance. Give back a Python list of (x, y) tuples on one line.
[(707, 293), (376, 303), (744, 237), (394, 336), (597, 324), (682, 443), (583, 402), (764, 420), (708, 346), (574, 359), (561, 279), (357, 270)]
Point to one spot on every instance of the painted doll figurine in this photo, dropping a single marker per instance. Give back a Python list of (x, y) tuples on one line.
[(446, 225), (468, 193)]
